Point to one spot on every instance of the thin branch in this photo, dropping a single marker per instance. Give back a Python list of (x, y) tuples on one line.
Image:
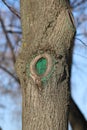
[(79, 34), (74, 1), (81, 42), (10, 31), (12, 75), (75, 53), (11, 9), (8, 40), (79, 3)]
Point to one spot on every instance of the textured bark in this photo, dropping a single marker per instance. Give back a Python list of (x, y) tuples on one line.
[(47, 27)]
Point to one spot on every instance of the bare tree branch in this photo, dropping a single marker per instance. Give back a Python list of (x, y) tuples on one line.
[(12, 31), (79, 34), (8, 39), (11, 9), (78, 3), (12, 75), (81, 42)]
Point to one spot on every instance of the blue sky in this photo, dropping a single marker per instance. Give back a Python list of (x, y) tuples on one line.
[(79, 77)]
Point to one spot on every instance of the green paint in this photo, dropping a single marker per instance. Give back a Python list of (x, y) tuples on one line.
[(41, 66)]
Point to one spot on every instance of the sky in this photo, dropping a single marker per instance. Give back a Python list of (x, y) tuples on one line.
[(10, 121), (79, 77)]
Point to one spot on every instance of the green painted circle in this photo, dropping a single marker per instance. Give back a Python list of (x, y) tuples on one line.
[(41, 66)]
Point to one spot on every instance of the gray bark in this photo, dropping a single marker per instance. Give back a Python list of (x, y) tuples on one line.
[(47, 27)]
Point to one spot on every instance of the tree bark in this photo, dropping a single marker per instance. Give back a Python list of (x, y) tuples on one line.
[(48, 32)]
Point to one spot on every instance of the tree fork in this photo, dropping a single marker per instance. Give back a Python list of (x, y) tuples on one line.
[(48, 34)]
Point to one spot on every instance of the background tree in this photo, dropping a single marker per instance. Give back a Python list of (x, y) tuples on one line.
[(10, 84)]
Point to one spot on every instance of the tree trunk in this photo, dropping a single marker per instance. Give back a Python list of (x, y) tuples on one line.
[(48, 33)]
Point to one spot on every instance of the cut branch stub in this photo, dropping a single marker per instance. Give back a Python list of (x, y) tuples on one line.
[(40, 67)]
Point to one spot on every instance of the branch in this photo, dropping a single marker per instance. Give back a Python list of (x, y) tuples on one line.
[(11, 9), (79, 3), (79, 34), (81, 42), (76, 118), (10, 31), (8, 40), (73, 2), (12, 75)]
